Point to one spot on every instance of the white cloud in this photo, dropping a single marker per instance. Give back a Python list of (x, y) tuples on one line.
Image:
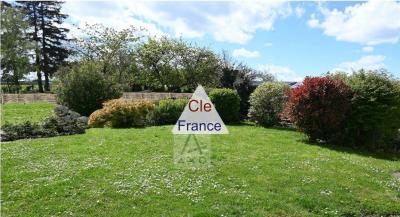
[(282, 73), (108, 14), (299, 11), (373, 22), (313, 22), (368, 49), (242, 52), (370, 62), (268, 44), (244, 18), (234, 22)]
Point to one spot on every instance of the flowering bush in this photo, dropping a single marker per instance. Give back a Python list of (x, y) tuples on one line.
[(119, 113), (319, 108), (267, 102)]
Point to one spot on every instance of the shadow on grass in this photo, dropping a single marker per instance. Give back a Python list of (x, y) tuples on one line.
[(392, 156)]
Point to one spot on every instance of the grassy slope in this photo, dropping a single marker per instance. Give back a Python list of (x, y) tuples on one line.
[(255, 172), (19, 112)]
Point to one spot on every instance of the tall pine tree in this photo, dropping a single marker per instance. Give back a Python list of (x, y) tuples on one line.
[(45, 18)]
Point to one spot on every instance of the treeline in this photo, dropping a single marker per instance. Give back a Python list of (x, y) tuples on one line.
[(33, 40)]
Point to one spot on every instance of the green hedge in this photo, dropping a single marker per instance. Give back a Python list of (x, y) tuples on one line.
[(375, 110), (168, 111), (227, 103), (84, 88)]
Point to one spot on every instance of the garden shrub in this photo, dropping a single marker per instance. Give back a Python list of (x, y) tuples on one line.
[(84, 88), (375, 110), (63, 122), (267, 102), (168, 111), (26, 130), (319, 108), (66, 122), (227, 103), (120, 113)]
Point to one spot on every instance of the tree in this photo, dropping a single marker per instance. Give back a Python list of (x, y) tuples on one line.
[(173, 65), (45, 19), (14, 46), (242, 78), (111, 49)]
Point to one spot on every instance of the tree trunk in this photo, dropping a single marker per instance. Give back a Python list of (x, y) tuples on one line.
[(44, 59), (46, 82), (37, 55), (39, 80)]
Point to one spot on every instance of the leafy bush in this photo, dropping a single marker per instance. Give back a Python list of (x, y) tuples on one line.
[(168, 111), (64, 122), (227, 103), (26, 130), (375, 110), (84, 88), (267, 102), (119, 113), (319, 107)]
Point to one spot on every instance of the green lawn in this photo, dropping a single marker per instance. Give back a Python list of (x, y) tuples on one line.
[(21, 112), (254, 172)]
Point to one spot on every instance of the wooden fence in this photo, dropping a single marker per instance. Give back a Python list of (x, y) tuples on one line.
[(47, 97)]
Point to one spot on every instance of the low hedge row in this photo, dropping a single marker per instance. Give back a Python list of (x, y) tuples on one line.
[(167, 111), (63, 122), (227, 104), (119, 113), (361, 110)]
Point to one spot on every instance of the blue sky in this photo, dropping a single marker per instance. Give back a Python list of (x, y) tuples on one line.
[(288, 39)]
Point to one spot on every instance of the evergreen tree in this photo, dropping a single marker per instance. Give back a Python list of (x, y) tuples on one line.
[(45, 18)]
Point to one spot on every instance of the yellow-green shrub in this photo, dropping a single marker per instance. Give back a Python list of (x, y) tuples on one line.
[(120, 113)]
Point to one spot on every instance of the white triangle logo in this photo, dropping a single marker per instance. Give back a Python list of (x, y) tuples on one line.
[(200, 116)]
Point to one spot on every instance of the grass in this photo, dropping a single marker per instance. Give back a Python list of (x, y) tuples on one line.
[(254, 172), (21, 112)]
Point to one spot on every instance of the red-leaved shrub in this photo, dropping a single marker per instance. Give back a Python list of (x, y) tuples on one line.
[(319, 107)]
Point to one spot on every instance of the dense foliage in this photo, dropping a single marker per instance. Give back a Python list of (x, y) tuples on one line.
[(375, 110), (319, 107), (119, 113), (227, 103), (267, 102), (15, 48), (84, 88), (49, 36), (168, 111), (242, 78), (167, 64), (112, 50), (63, 122)]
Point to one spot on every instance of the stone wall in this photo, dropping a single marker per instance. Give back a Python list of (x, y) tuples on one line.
[(154, 95), (47, 97), (29, 97)]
